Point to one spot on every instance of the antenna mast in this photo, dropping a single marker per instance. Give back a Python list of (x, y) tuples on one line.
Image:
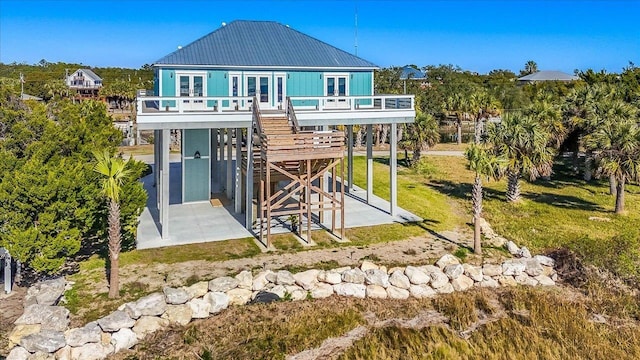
[(356, 43)]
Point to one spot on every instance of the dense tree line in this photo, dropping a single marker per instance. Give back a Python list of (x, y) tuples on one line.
[(46, 79), (50, 196)]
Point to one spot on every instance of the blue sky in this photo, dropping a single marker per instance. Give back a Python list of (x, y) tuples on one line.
[(475, 35)]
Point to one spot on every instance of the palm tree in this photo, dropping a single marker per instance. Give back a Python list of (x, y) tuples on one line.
[(483, 163), (530, 67), (114, 171), (420, 135), (523, 143), (616, 144), (459, 105), (483, 105)]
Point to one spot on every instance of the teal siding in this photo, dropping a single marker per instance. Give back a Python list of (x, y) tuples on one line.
[(168, 85), (305, 83), (196, 171), (217, 85), (360, 84)]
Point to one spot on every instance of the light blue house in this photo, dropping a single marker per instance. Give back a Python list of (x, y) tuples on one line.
[(205, 92)]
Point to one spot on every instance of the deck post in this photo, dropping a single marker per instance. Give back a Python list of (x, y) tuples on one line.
[(349, 158), (214, 160), (221, 167), (229, 163), (369, 163), (237, 194), (156, 165), (393, 170), (165, 184), (249, 181)]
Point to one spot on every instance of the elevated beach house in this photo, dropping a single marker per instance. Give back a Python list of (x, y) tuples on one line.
[(265, 115), (85, 83)]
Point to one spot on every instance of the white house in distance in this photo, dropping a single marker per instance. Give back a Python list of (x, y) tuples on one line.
[(85, 82)]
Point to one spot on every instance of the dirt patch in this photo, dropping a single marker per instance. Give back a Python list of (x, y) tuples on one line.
[(11, 307)]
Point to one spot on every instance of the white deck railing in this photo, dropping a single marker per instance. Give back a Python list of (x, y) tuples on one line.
[(156, 105)]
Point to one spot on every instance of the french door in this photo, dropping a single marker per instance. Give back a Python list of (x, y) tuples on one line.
[(191, 86), (336, 86), (259, 86)]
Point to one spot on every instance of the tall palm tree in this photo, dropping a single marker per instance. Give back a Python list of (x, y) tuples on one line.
[(523, 143), (483, 163), (114, 171), (459, 105), (616, 144), (421, 135)]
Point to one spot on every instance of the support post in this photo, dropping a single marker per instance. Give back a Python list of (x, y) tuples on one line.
[(221, 167), (237, 194), (369, 163), (249, 181), (229, 163), (214, 161), (156, 165), (349, 158), (165, 184), (393, 170), (308, 201)]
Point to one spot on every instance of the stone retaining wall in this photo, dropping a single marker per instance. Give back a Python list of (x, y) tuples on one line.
[(41, 332)]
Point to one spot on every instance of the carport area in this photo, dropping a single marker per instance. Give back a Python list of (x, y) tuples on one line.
[(202, 222)]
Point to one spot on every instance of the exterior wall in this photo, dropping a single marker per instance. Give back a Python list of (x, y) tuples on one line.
[(168, 85), (217, 85), (196, 178), (297, 83), (361, 84)]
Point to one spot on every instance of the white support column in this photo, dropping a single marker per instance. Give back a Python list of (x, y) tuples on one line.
[(229, 173), (221, 167), (237, 193), (249, 181), (156, 165), (214, 160), (349, 158), (369, 162), (165, 184), (393, 170)]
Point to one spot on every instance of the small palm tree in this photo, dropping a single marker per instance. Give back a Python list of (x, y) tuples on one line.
[(483, 163), (523, 143), (114, 171), (420, 135), (616, 144)]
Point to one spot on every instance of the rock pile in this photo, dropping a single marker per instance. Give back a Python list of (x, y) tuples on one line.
[(43, 330)]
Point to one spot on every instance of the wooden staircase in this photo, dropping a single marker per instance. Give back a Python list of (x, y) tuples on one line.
[(280, 152)]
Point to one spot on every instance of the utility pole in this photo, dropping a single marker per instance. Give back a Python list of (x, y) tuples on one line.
[(356, 43), (21, 85)]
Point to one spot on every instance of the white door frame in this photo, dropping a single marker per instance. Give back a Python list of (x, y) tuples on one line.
[(240, 89), (191, 104), (263, 105), (280, 103), (332, 99)]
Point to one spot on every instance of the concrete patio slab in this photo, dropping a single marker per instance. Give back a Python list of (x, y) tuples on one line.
[(201, 222)]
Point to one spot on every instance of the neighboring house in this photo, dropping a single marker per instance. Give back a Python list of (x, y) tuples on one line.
[(282, 86), (546, 76), (85, 82), (411, 73)]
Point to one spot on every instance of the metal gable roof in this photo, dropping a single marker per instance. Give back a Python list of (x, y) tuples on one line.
[(409, 72), (548, 76), (262, 43), (89, 73)]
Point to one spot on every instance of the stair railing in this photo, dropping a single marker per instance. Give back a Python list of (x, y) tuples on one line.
[(291, 115)]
